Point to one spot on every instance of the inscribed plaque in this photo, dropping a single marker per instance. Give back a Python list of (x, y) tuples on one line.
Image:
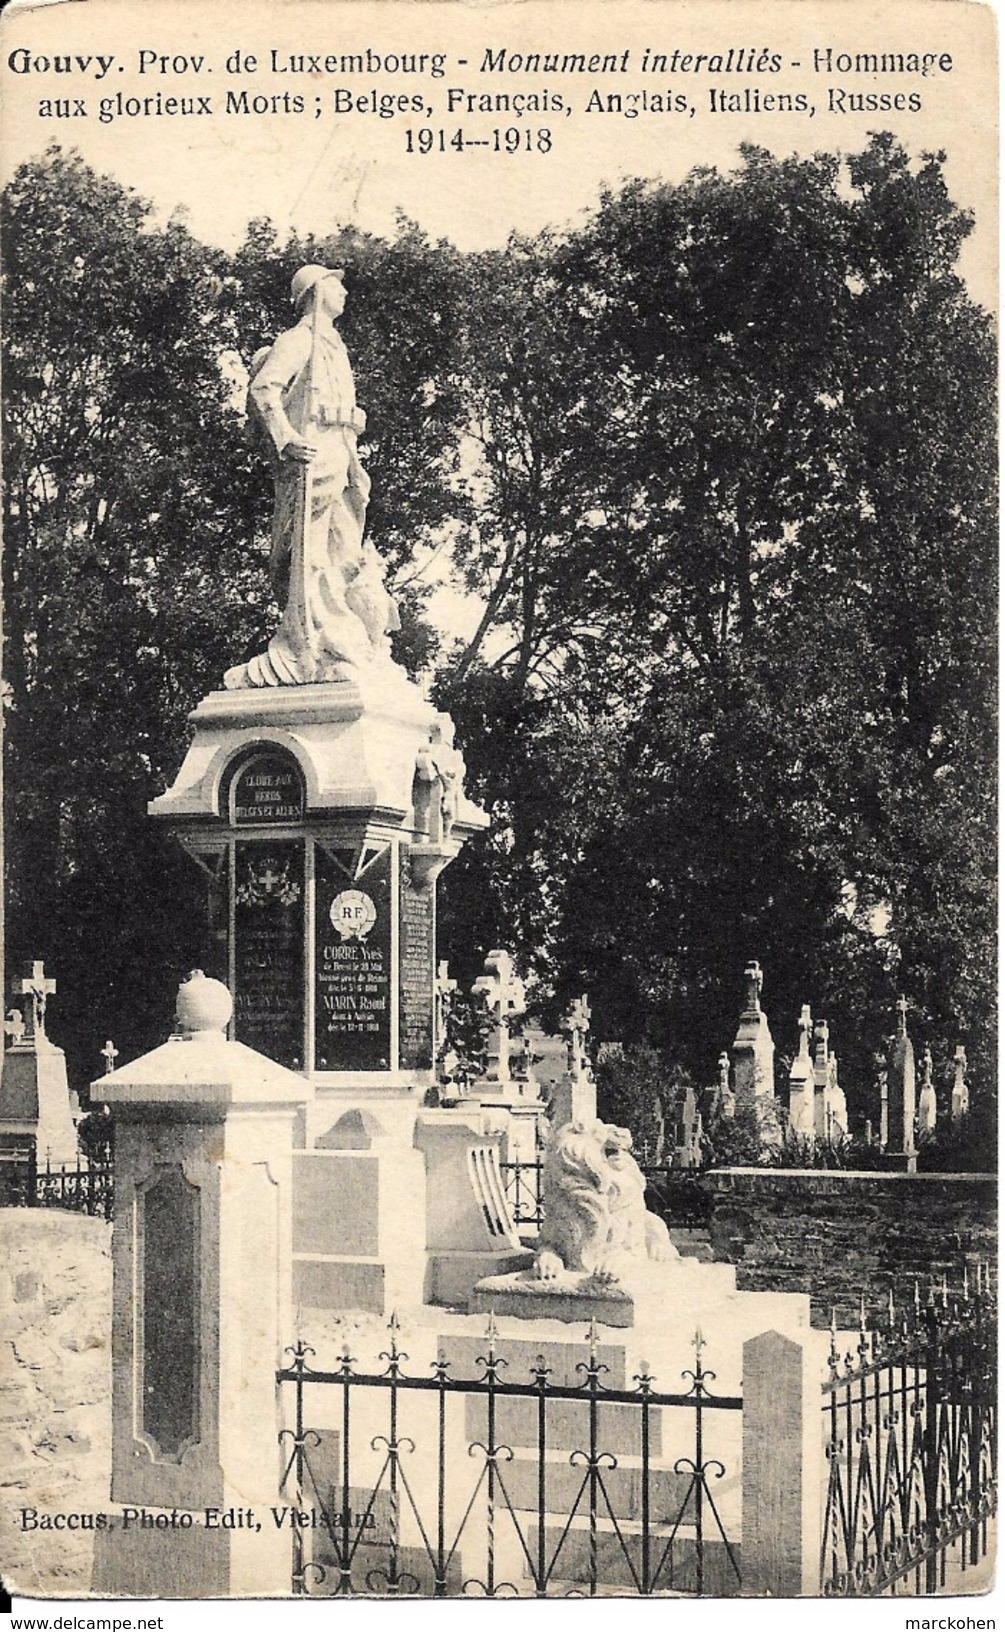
[(269, 949), (352, 994), (416, 970)]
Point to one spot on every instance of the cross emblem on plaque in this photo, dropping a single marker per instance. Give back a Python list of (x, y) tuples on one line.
[(38, 988)]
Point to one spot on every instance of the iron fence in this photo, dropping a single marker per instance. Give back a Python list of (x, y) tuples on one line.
[(675, 1194), (462, 1488), (82, 1187), (910, 1438)]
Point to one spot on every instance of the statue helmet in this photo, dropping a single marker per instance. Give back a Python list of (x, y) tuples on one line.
[(307, 279)]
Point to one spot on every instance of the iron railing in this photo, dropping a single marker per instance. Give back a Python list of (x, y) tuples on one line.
[(675, 1194), (82, 1187), (454, 1484), (910, 1438)]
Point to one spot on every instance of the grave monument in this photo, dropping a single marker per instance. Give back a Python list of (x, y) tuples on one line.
[(276, 1159), (35, 1104), (321, 796)]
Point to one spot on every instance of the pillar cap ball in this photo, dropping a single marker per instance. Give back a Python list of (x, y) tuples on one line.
[(203, 1004)]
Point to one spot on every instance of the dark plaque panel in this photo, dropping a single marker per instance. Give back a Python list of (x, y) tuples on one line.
[(268, 789), (269, 948), (352, 993), (416, 971), (170, 1391)]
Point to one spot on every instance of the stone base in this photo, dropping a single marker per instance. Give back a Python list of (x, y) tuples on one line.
[(526, 1298), (35, 1105), (453, 1277)]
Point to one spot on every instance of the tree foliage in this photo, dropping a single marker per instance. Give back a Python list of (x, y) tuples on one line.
[(718, 466)]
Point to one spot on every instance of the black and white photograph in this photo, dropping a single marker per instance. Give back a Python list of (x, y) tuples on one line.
[(499, 959)]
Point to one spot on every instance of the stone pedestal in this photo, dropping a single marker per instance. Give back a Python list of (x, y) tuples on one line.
[(35, 1101), (359, 1217), (201, 1312), (322, 815), (754, 1056), (469, 1228), (901, 1102)]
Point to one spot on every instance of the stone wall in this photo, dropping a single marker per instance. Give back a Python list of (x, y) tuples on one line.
[(838, 1234), (55, 1384)]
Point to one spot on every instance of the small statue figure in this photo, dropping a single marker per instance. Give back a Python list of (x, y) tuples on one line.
[(337, 612)]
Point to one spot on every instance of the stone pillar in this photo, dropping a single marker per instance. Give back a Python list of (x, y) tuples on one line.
[(801, 1111), (201, 1309), (754, 1055), (821, 1077), (782, 1471), (35, 1105), (901, 1095), (883, 1087)]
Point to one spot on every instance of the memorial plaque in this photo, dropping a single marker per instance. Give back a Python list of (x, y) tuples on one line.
[(269, 949), (352, 990), (267, 789), (416, 970), (169, 1393)]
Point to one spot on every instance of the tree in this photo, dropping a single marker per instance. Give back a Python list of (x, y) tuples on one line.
[(766, 475)]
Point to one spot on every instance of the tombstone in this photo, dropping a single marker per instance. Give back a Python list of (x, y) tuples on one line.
[(504, 996), (883, 1089), (901, 1095), (719, 1101), (960, 1103), (687, 1132), (35, 1101), (573, 1094), (802, 1114), (202, 1304), (836, 1107), (928, 1110), (754, 1057), (821, 1077)]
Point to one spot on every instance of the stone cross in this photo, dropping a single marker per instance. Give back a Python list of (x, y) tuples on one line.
[(14, 1026), (961, 1093), (504, 994), (38, 989), (753, 978), (109, 1054), (901, 1088), (576, 1024)]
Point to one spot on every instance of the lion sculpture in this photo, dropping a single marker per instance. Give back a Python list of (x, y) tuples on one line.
[(595, 1221)]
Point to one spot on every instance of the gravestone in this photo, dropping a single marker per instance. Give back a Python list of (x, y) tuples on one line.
[(754, 1057), (901, 1103), (35, 1102), (802, 1112), (928, 1110), (960, 1103)]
